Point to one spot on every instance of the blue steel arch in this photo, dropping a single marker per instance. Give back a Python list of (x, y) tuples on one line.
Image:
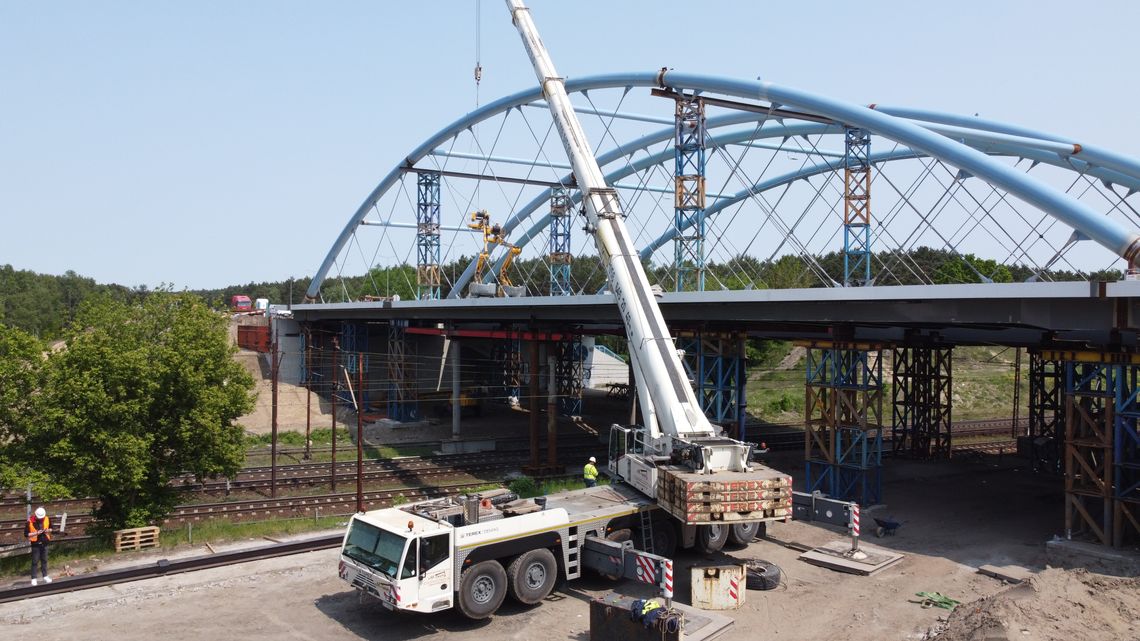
[(1034, 150), (878, 120)]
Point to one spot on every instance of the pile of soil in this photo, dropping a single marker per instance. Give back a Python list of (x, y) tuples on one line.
[(1055, 605)]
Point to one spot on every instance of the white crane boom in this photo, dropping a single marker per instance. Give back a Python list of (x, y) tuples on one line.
[(668, 404), (677, 457)]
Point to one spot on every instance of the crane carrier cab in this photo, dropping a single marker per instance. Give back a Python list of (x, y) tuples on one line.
[(470, 552)]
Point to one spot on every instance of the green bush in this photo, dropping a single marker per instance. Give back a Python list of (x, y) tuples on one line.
[(525, 487)]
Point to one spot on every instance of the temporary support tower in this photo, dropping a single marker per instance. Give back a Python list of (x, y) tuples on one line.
[(402, 399), (569, 358), (427, 236), (1102, 448), (857, 208), (354, 342), (560, 256), (921, 401), (843, 421), (508, 358), (689, 205), (716, 362), (1046, 413)]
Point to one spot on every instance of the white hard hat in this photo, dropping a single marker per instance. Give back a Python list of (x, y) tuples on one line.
[(40, 513), (593, 460)]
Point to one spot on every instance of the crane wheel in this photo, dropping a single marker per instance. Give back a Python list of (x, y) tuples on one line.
[(741, 534), (532, 576), (482, 589), (711, 538), (664, 538)]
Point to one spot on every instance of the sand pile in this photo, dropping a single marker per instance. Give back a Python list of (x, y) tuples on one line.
[(1055, 605), (293, 404)]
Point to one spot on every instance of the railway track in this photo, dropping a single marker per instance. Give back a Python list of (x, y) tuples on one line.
[(314, 474), (11, 530), (406, 470), (168, 568)]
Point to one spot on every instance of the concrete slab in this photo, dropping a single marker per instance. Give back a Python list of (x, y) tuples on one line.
[(1008, 573), (837, 556)]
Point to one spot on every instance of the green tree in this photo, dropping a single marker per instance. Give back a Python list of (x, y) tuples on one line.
[(141, 393), (21, 372)]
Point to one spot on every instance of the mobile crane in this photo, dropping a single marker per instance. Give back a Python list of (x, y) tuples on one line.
[(694, 471), (680, 480)]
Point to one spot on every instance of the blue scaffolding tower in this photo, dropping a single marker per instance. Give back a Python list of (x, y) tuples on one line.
[(354, 345), (857, 208), (689, 204), (569, 359), (403, 402), (560, 257), (1102, 446), (427, 236), (843, 421)]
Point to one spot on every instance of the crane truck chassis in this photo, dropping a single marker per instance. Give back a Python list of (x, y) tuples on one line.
[(470, 552)]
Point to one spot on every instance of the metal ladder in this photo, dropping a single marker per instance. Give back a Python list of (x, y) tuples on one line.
[(647, 531), (573, 554)]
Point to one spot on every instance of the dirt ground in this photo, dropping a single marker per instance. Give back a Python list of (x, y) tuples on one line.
[(956, 516)]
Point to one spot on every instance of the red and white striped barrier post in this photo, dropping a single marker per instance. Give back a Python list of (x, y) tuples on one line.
[(854, 525)]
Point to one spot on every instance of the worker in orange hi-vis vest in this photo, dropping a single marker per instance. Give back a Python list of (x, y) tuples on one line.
[(38, 531)]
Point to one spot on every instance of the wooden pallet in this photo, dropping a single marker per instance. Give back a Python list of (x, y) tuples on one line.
[(137, 538)]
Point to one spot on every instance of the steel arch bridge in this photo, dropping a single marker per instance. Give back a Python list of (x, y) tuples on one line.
[(997, 197)]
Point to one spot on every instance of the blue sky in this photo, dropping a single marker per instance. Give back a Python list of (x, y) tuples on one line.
[(203, 144)]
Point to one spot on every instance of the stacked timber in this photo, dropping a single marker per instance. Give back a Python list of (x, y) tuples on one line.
[(762, 494)]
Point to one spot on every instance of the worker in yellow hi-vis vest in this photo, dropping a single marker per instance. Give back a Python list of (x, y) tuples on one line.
[(590, 473)]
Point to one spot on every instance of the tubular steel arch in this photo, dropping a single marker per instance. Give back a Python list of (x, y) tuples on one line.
[(960, 142)]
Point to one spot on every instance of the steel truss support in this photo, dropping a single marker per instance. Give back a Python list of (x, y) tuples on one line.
[(716, 365), (402, 397), (921, 401), (1102, 447), (427, 236), (560, 256), (857, 208), (354, 342), (569, 360), (689, 142), (508, 356), (843, 435), (1042, 445)]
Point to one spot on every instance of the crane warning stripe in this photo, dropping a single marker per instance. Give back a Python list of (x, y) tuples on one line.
[(734, 587), (645, 570)]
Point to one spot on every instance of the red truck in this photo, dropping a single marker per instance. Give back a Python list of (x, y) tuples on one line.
[(241, 303)]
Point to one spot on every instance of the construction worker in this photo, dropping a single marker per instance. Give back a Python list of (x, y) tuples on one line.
[(590, 473), (38, 532)]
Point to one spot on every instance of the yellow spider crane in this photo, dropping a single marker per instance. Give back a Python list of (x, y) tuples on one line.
[(492, 236)]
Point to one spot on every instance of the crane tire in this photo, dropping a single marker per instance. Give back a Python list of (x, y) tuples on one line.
[(664, 538), (741, 534), (482, 589), (711, 538), (532, 576)]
